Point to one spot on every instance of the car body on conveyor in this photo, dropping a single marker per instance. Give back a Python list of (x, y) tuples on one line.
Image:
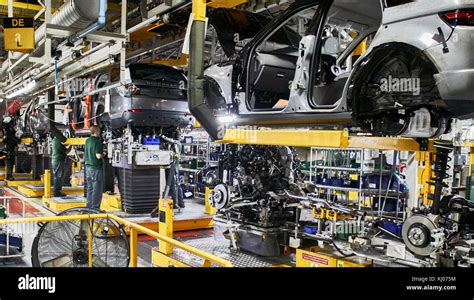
[(399, 67)]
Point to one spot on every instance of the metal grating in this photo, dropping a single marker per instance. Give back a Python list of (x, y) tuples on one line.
[(221, 248)]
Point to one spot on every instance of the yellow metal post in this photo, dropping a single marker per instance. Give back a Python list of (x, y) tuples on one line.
[(89, 240), (424, 175), (199, 10), (134, 248), (47, 183), (209, 209), (471, 156), (471, 163), (166, 224), (226, 3)]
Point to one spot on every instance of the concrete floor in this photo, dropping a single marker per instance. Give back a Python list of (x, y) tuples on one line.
[(35, 208), (203, 239)]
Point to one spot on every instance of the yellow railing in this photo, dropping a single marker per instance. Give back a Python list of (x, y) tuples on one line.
[(135, 229)]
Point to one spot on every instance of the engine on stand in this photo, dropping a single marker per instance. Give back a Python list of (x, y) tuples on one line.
[(252, 200), (264, 207)]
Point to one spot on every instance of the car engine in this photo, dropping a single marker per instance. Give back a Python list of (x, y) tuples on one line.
[(252, 199), (265, 207)]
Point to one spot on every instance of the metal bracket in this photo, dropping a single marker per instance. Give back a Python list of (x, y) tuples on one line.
[(423, 143)]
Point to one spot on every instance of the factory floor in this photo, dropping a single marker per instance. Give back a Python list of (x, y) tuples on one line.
[(34, 208)]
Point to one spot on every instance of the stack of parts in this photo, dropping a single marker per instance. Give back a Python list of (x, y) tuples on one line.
[(139, 189)]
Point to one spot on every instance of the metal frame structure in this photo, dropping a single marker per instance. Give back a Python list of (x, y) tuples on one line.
[(166, 243), (42, 69)]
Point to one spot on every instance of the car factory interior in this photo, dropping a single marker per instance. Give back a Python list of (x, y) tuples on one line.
[(237, 133)]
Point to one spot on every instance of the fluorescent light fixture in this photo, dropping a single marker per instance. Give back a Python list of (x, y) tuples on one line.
[(25, 89), (226, 119)]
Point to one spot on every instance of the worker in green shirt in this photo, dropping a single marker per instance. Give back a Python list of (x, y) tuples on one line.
[(94, 155), (58, 162)]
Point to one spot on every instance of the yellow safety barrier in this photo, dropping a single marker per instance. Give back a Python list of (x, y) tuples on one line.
[(135, 229)]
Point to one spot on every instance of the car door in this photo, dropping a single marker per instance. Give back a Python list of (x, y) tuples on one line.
[(270, 59)]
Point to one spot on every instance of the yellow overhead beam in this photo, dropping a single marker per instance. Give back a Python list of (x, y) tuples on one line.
[(22, 5), (225, 3), (388, 143), (182, 61), (199, 10), (294, 138), (319, 138)]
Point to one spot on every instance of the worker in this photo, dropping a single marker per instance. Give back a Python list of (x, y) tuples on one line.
[(11, 142), (59, 162), (175, 187), (94, 155)]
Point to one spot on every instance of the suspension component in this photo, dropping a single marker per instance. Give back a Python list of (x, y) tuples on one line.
[(440, 172)]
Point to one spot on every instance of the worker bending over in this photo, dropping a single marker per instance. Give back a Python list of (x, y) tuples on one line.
[(94, 154)]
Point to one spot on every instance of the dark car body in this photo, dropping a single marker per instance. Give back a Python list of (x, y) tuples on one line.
[(156, 96)]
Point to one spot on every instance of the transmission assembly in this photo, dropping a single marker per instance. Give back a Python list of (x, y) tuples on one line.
[(264, 206)]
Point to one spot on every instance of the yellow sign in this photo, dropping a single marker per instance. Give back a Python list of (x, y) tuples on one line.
[(19, 34)]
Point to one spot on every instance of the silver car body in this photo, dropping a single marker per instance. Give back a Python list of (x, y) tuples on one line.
[(417, 24)]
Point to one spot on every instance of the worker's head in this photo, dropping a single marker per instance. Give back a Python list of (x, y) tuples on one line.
[(95, 130)]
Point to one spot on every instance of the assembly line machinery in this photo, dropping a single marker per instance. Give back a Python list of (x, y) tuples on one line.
[(118, 66), (80, 75), (264, 207), (97, 62)]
